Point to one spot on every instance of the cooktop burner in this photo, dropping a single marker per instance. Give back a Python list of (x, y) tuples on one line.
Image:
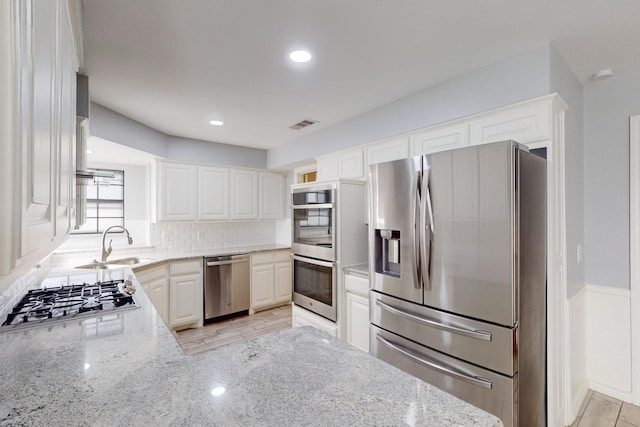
[(67, 302)]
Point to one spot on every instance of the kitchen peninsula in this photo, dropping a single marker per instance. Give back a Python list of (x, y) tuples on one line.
[(126, 368)]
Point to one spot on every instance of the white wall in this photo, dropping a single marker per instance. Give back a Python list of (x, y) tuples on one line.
[(607, 107), (192, 150), (523, 76), (112, 126)]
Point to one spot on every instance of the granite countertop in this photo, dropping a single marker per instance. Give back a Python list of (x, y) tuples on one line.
[(358, 269), (127, 369)]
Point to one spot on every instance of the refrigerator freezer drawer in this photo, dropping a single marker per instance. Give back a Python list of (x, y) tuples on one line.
[(480, 343), (487, 390)]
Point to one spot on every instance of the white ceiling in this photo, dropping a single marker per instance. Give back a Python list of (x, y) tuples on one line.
[(175, 65)]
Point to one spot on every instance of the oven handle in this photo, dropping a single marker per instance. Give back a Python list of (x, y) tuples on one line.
[(314, 261), (314, 206)]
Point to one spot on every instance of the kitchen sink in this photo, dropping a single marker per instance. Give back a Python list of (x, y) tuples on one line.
[(116, 263)]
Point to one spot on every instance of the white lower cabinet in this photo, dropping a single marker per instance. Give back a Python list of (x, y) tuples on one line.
[(357, 311), (155, 282), (302, 317), (270, 279), (185, 293)]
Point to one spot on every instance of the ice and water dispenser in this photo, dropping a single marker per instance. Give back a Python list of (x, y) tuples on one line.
[(387, 251)]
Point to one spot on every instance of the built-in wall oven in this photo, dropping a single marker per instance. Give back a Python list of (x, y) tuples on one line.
[(314, 285), (313, 219), (313, 244)]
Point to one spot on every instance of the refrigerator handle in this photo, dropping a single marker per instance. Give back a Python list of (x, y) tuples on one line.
[(415, 259), (475, 380), (426, 221)]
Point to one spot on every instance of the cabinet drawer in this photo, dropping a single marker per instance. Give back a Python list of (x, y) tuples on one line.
[(356, 284), (262, 258), (190, 266), (282, 256), (477, 342)]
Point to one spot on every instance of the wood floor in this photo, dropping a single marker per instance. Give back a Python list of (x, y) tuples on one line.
[(598, 410), (243, 328)]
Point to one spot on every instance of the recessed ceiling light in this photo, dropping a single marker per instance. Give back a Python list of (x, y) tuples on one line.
[(216, 122), (300, 56), (89, 152)]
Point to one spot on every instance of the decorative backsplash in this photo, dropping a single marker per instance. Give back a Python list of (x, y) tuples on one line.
[(194, 235)]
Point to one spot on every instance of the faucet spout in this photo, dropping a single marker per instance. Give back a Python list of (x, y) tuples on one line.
[(107, 251)]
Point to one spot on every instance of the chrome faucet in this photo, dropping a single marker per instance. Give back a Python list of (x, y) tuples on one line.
[(106, 252)]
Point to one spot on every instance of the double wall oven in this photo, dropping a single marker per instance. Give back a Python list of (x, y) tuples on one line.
[(314, 248)]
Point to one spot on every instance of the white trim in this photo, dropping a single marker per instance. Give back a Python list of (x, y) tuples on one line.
[(634, 252), (579, 385)]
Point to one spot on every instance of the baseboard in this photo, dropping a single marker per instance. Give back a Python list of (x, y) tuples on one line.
[(578, 398), (625, 396)]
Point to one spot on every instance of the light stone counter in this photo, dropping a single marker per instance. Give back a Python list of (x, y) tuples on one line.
[(127, 370)]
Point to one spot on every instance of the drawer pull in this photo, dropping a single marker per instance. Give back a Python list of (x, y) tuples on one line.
[(471, 333), (475, 380)]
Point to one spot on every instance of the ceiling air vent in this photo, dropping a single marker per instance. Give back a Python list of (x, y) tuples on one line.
[(303, 124)]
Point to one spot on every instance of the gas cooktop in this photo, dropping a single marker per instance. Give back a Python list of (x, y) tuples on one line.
[(69, 302)]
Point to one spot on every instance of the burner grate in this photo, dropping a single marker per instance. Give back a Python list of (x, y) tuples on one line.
[(68, 301)]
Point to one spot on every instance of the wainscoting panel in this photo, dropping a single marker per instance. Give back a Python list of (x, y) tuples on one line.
[(608, 341)]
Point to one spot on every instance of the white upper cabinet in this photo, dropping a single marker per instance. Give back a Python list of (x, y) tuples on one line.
[(271, 196), (177, 192), (523, 123), (388, 150), (439, 139), (37, 126), (190, 192), (344, 164), (244, 194), (213, 193)]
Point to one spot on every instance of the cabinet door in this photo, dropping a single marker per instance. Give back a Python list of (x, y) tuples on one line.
[(386, 151), (65, 153), (39, 133), (185, 294), (158, 292), (327, 167), (439, 139), (271, 196), (177, 192), (357, 321), (244, 194), (262, 285), (213, 193), (524, 124), (351, 164), (283, 281)]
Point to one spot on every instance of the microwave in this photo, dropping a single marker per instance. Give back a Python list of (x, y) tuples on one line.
[(313, 219)]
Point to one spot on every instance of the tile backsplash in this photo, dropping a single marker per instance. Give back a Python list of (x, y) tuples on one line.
[(210, 235)]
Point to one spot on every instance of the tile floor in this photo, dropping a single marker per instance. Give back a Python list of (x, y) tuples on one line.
[(242, 328), (598, 410)]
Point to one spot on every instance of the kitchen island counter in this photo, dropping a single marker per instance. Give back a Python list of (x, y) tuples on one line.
[(127, 369)]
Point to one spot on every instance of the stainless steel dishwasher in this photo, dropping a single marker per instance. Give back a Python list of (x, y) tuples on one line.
[(226, 285)]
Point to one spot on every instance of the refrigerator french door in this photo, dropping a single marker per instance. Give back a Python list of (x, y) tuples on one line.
[(458, 274)]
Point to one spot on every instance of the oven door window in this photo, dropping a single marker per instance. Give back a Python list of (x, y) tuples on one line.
[(313, 281), (313, 226)]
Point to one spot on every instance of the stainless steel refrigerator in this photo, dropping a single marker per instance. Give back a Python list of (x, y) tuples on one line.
[(457, 253)]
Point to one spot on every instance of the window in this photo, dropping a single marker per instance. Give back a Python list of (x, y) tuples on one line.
[(105, 202)]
